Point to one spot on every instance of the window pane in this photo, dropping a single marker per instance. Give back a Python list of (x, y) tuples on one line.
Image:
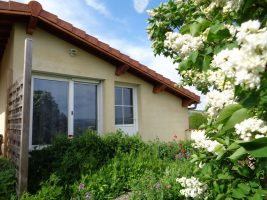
[(50, 110), (128, 115), (118, 96), (118, 115), (128, 96), (85, 107)]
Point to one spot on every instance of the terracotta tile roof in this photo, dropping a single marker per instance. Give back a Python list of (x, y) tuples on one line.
[(34, 14)]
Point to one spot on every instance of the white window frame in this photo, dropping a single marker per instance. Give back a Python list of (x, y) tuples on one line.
[(135, 106), (71, 82)]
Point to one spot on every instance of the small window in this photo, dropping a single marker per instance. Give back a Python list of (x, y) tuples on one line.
[(124, 106)]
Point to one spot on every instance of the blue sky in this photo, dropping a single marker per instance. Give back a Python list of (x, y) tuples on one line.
[(120, 23)]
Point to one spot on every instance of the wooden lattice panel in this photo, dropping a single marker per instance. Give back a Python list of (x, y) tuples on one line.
[(14, 124), (18, 121)]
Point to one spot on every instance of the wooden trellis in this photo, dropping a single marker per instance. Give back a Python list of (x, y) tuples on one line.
[(18, 121)]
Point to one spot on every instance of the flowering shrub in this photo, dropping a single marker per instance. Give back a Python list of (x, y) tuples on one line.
[(193, 187), (220, 47)]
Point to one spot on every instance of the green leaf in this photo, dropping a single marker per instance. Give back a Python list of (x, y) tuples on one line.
[(257, 148), (245, 188), (237, 117), (206, 63), (195, 29), (238, 153), (220, 197), (225, 176), (228, 111), (233, 146), (193, 56), (237, 193)]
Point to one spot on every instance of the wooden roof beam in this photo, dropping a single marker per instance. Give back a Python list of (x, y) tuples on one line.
[(31, 26), (122, 69), (159, 88), (187, 102), (35, 8)]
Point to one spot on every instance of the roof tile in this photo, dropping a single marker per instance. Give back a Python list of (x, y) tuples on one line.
[(66, 25), (4, 5), (18, 6), (49, 16), (79, 32)]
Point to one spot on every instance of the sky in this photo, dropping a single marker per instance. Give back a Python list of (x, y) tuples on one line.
[(120, 23)]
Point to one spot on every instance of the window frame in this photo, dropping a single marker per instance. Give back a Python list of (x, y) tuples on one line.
[(70, 100), (135, 105)]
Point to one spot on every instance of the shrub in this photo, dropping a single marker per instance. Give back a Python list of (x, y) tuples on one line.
[(175, 150), (196, 119), (7, 179), (116, 177), (69, 159), (50, 190)]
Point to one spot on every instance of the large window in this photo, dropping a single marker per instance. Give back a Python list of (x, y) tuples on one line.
[(62, 107), (50, 110), (124, 109)]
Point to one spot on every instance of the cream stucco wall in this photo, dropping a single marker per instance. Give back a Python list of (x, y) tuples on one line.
[(159, 115)]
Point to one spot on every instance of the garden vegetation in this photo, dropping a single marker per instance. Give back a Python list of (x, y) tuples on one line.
[(220, 47)]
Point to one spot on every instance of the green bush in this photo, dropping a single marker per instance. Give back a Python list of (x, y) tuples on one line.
[(116, 177), (105, 167), (196, 119), (7, 179), (69, 159), (50, 190), (175, 150)]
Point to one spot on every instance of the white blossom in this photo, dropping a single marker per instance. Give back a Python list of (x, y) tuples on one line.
[(251, 128), (192, 187), (200, 141), (217, 100), (218, 79), (226, 5), (182, 44), (245, 64), (151, 13)]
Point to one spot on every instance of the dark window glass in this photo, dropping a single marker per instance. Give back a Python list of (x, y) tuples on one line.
[(123, 105), (119, 115), (50, 110), (118, 96), (128, 115), (85, 107), (127, 96)]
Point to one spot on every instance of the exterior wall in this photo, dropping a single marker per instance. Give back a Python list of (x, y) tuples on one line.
[(159, 115), (6, 66)]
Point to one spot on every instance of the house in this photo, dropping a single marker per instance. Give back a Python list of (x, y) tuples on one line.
[(55, 78)]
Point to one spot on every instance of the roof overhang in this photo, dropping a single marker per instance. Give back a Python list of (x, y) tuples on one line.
[(34, 16)]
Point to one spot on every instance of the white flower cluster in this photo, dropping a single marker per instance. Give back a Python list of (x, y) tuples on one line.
[(251, 128), (217, 100), (245, 64), (226, 5), (197, 78), (182, 44), (218, 79), (202, 142), (193, 187)]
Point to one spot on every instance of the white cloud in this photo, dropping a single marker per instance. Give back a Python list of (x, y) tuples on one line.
[(140, 5), (99, 7)]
